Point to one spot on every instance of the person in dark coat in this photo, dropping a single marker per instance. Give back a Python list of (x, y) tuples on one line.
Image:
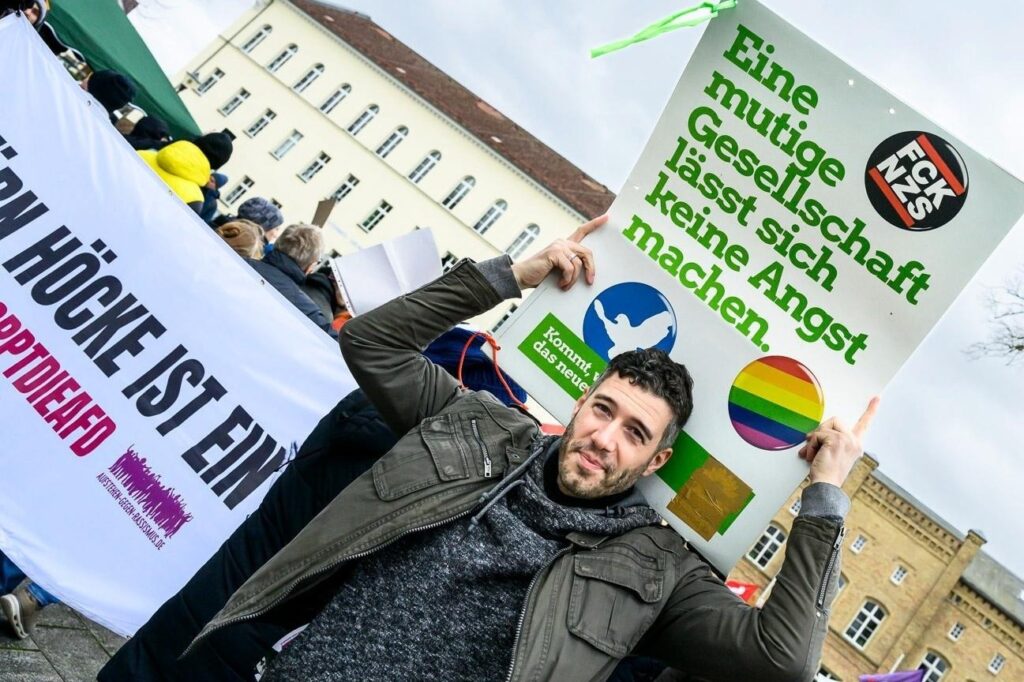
[(112, 89), (320, 287), (211, 193), (151, 132), (285, 268), (342, 446)]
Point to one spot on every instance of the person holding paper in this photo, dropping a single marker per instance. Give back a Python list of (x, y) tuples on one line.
[(478, 548)]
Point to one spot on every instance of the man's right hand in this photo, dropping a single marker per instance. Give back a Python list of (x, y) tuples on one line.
[(567, 256)]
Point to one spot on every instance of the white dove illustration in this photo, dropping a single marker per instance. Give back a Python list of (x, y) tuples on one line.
[(626, 337)]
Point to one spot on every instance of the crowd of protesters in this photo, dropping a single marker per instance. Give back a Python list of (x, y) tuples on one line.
[(287, 258)]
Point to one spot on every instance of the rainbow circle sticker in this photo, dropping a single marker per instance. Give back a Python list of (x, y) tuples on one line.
[(774, 402)]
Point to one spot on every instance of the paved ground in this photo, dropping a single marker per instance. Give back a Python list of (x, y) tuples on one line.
[(65, 647)]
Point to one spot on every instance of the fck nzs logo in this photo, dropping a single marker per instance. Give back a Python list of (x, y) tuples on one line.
[(916, 181)]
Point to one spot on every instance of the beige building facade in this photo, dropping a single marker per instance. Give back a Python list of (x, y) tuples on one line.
[(915, 591), (323, 103)]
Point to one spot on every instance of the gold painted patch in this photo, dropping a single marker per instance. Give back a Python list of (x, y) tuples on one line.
[(711, 494)]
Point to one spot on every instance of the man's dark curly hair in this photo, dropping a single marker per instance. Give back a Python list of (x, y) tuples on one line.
[(658, 374)]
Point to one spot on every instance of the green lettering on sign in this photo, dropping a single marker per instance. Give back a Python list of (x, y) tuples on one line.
[(563, 356)]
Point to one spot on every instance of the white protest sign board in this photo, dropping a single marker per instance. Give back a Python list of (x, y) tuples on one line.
[(791, 233), (151, 384), (376, 274)]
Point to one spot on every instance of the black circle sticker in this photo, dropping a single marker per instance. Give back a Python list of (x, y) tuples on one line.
[(916, 180)]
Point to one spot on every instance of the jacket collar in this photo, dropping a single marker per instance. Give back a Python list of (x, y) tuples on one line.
[(285, 264)]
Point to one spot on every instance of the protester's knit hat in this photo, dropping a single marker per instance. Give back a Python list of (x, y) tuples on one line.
[(151, 127), (478, 371), (261, 212), (216, 147), (112, 89)]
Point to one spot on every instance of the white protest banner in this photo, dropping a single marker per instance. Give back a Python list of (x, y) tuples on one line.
[(791, 233), (151, 384)]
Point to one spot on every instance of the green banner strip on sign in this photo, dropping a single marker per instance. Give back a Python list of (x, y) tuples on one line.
[(563, 356), (687, 456), (691, 16)]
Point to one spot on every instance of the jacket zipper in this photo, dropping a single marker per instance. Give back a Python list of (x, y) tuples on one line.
[(324, 569), (830, 566), (526, 606), (483, 446)]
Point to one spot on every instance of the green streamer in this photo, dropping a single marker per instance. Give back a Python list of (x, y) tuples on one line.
[(691, 16)]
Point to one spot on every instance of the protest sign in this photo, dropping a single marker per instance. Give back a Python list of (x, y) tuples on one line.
[(376, 274), (791, 232), (152, 385)]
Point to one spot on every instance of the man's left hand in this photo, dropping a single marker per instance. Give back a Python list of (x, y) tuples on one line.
[(832, 448)]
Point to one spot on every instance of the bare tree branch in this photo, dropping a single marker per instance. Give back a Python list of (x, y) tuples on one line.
[(1006, 317)]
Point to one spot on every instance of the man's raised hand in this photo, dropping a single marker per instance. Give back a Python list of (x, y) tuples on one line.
[(832, 448), (567, 256)]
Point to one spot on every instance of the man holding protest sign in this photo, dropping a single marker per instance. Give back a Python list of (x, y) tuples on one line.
[(477, 545)]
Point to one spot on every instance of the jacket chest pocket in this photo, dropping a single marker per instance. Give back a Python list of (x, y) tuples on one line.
[(423, 458), (614, 599)]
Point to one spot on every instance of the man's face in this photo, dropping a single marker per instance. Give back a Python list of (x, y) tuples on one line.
[(612, 440)]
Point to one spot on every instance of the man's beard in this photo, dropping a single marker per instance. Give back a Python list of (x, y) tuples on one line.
[(599, 483)]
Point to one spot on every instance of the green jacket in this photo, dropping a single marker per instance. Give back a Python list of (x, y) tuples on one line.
[(599, 599)]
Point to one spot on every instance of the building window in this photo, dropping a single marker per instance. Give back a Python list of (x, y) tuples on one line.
[(794, 508), (448, 261), (843, 582), (279, 61), (865, 623), (287, 145), (343, 190), (934, 667), (210, 81), (898, 575), (234, 102), (394, 139), (504, 318), (491, 216), (315, 167), (260, 123), (955, 631), (257, 38), (523, 241), (859, 543), (766, 547), (363, 119), (996, 664), (335, 98), (425, 166), (376, 216), (459, 193), (239, 190), (310, 76)]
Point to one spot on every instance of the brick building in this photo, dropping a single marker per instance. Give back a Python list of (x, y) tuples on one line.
[(915, 591)]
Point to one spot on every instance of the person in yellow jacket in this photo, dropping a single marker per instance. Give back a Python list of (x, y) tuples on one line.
[(185, 169)]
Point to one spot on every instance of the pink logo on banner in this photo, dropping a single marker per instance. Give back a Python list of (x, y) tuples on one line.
[(163, 506)]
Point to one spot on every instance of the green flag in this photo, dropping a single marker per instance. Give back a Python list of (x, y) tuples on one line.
[(100, 30)]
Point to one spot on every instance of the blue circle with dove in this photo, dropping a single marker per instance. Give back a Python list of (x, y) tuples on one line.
[(629, 316)]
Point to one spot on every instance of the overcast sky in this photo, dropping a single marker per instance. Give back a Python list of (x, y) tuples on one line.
[(947, 431)]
